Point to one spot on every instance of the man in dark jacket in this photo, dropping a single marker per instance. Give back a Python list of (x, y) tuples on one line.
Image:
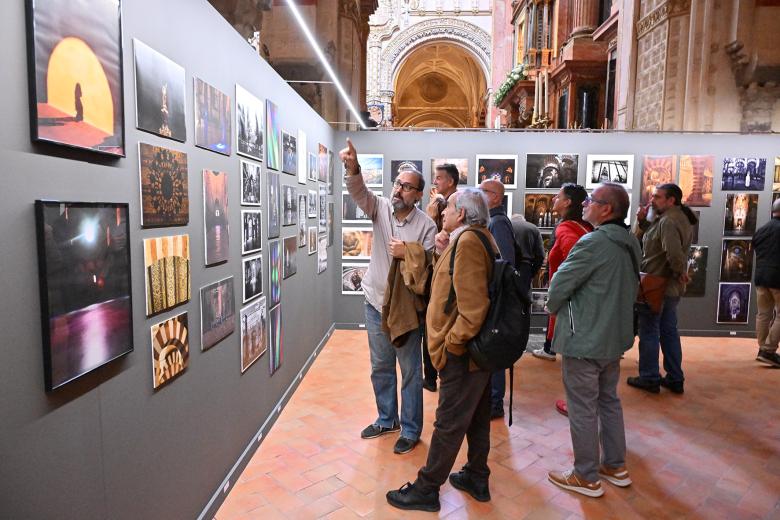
[(766, 243)]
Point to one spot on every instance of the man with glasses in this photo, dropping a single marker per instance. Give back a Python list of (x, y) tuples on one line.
[(396, 222)]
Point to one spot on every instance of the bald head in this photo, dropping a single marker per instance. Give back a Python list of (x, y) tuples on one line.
[(608, 202), (494, 191), (776, 208)]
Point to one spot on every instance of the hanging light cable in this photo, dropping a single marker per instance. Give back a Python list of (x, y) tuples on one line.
[(318, 51)]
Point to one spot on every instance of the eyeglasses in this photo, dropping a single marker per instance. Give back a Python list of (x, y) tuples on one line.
[(590, 200), (405, 186)]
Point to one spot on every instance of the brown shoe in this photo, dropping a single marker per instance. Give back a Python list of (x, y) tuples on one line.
[(617, 476), (570, 481)]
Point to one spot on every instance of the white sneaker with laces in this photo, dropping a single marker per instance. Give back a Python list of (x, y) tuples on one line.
[(541, 354)]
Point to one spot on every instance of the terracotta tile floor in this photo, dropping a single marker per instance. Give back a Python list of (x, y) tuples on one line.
[(711, 453)]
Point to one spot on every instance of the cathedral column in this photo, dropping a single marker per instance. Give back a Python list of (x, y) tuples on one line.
[(585, 17)]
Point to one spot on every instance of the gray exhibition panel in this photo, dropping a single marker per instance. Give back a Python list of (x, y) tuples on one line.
[(108, 445), (697, 316)]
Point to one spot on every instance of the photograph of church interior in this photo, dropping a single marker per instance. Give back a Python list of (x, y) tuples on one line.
[(390, 259)]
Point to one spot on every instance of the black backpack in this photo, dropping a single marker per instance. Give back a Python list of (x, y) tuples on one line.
[(504, 335)]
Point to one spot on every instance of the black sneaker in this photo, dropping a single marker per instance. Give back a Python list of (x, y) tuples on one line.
[(770, 358), (676, 387), (644, 384), (404, 445), (374, 430), (463, 481), (409, 497), (429, 385)]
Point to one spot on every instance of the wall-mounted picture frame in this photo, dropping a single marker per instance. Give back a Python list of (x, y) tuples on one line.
[(311, 204), (75, 74), (216, 228), (85, 287), (170, 349), (165, 199), (372, 166), (250, 118), (274, 205), (404, 164), (352, 274), (696, 179), (356, 243), (217, 312), (251, 184), (461, 164), (254, 333), (322, 164), (656, 170), (275, 272), (302, 202), (166, 272), (251, 231), (546, 171), (311, 240), (213, 118), (743, 174), (289, 153), (741, 214), (610, 168), (538, 210), (502, 168), (252, 272), (276, 354), (273, 136), (539, 302), (290, 263), (733, 303), (322, 254), (736, 260), (351, 213), (289, 205), (159, 94), (697, 271)]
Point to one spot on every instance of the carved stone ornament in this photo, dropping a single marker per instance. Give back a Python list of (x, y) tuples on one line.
[(660, 14)]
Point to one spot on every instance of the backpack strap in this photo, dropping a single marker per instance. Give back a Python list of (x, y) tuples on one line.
[(511, 392), (488, 248)]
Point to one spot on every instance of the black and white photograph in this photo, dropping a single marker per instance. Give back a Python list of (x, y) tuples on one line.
[(743, 173), (253, 277), (502, 168), (322, 223), (249, 124), (538, 302), (302, 202), (289, 206), (159, 87), (741, 215), (312, 204), (322, 254), (289, 153), (254, 333), (352, 275), (733, 303), (312, 240), (736, 260), (697, 271), (351, 213), (289, 261), (251, 185), (274, 205), (550, 171), (609, 168), (251, 231)]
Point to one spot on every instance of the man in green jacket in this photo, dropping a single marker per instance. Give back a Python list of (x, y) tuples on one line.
[(593, 294)]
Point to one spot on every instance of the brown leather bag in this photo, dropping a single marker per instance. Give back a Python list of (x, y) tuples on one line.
[(652, 289)]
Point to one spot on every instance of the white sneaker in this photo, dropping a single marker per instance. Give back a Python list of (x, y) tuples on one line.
[(541, 354)]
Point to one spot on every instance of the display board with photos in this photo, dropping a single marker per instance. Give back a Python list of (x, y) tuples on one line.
[(550, 171), (252, 269), (352, 274), (159, 94), (250, 117), (217, 312), (166, 272), (85, 287), (216, 229), (254, 333), (502, 168), (164, 186), (213, 118), (170, 349), (76, 75)]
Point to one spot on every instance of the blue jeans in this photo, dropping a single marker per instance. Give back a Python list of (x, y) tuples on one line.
[(660, 329), (497, 389), (383, 377)]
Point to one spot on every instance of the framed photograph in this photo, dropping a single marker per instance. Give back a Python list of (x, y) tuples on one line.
[(217, 312), (610, 168), (159, 94), (312, 240), (322, 164), (254, 333), (165, 199), (75, 74), (330, 223), (251, 184), (290, 262), (743, 173), (502, 168), (249, 124), (352, 275), (538, 210), (251, 231), (539, 302), (215, 217), (312, 173), (550, 171), (507, 204), (733, 303), (697, 271), (275, 271), (322, 254), (331, 171), (775, 196), (322, 223), (461, 164), (274, 205), (736, 260), (167, 272), (85, 287), (656, 170), (289, 153), (541, 279), (404, 164), (312, 204), (696, 179), (372, 167), (302, 202), (303, 157), (776, 180), (252, 277), (170, 349), (356, 243), (290, 206), (213, 120), (351, 213), (276, 354), (273, 133), (741, 215)]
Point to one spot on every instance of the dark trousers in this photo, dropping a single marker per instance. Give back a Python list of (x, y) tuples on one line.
[(429, 372), (463, 411)]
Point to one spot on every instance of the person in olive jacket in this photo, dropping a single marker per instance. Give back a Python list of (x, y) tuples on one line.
[(593, 294), (766, 243)]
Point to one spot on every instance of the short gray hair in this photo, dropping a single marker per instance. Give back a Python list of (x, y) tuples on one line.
[(475, 204)]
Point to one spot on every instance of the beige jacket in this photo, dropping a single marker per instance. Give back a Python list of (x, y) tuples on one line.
[(406, 296)]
